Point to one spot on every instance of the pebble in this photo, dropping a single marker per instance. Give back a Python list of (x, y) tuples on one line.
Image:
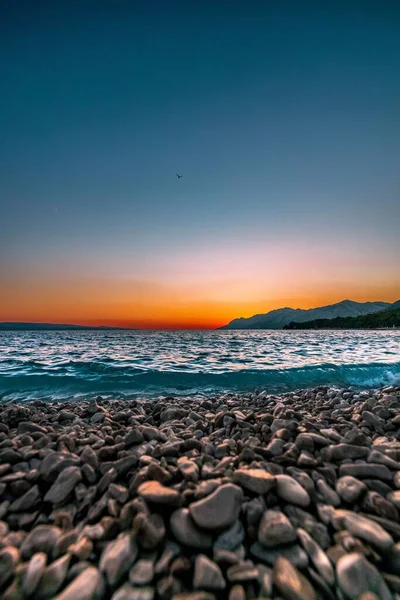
[(142, 572), (317, 556), (290, 582), (356, 576), (117, 558), (254, 480), (239, 497), (64, 485), (275, 529), (290, 490), (218, 510), (88, 585), (34, 572), (42, 538), (9, 557), (368, 530), (155, 492), (186, 532), (207, 575), (349, 488)]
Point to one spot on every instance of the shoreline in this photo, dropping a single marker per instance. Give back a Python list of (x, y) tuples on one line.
[(235, 496)]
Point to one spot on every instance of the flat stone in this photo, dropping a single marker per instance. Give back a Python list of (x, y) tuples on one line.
[(142, 572), (55, 462), (218, 510), (127, 592), (290, 490), (153, 491), (293, 553), (231, 538), (9, 557), (290, 582), (207, 575), (254, 480), (349, 488), (34, 572), (317, 556), (41, 539), (368, 530), (343, 451), (275, 529), (186, 531), (53, 578), (356, 576), (88, 585), (365, 471), (28, 501), (117, 558), (242, 572), (64, 485)]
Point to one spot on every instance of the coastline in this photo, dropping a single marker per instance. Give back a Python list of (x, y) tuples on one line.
[(235, 496)]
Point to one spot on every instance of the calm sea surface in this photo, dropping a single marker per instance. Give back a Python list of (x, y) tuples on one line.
[(72, 365)]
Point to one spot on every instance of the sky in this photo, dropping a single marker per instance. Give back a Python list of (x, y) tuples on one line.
[(283, 118)]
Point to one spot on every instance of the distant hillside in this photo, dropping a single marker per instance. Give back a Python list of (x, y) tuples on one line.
[(48, 327), (383, 319), (277, 319)]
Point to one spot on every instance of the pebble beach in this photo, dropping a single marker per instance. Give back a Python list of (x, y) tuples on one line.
[(236, 496)]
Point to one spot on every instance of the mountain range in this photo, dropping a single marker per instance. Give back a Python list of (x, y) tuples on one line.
[(388, 318), (277, 319)]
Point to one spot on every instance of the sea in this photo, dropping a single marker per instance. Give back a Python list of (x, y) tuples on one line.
[(74, 365)]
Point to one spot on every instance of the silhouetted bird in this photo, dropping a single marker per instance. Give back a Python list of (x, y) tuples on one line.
[(178, 176)]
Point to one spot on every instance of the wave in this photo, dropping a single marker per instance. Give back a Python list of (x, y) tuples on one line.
[(74, 380)]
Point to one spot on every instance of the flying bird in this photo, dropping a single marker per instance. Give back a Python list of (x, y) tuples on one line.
[(178, 176)]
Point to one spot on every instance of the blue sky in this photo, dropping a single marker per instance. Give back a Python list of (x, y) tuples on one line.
[(282, 117)]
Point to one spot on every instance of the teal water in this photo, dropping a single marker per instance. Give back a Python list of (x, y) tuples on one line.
[(121, 364)]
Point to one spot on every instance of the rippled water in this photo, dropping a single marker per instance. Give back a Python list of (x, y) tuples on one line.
[(70, 365)]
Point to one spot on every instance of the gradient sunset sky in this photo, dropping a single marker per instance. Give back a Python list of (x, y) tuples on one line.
[(283, 118)]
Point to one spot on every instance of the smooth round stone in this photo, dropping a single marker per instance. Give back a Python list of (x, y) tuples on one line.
[(275, 529), (290, 582), (368, 530), (290, 490), (64, 485), (207, 575), (142, 572), (34, 572), (86, 586), (153, 491), (117, 558), (41, 539), (218, 510), (188, 469), (356, 575), (254, 480), (186, 532), (349, 488), (394, 498)]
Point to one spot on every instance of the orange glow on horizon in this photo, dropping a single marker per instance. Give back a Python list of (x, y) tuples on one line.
[(170, 315)]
